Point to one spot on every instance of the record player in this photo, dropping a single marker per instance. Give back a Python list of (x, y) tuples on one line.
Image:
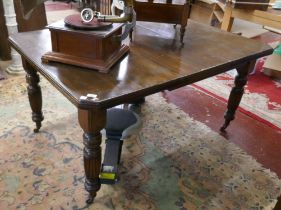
[(90, 39)]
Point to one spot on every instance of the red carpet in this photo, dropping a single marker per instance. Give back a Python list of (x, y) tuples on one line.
[(1, 76), (256, 138), (261, 101)]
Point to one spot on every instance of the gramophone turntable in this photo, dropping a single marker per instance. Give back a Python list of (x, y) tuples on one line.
[(90, 39)]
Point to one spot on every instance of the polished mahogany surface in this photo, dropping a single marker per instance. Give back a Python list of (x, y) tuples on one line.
[(99, 48), (156, 61)]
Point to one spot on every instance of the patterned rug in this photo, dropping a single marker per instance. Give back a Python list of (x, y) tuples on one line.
[(261, 100), (174, 162), (3, 72), (2, 75)]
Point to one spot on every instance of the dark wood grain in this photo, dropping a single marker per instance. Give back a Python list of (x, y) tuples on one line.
[(97, 49), (37, 20), (156, 62), (237, 92), (34, 94), (92, 122), (159, 12)]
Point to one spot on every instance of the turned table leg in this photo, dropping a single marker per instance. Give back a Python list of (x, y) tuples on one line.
[(34, 95), (92, 122), (236, 93)]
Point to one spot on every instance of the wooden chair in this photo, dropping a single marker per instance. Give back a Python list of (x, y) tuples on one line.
[(164, 11), (36, 21)]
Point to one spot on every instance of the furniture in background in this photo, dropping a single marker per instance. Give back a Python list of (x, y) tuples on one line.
[(164, 11), (270, 17), (224, 14), (98, 47), (154, 64), (217, 14), (104, 6), (36, 21)]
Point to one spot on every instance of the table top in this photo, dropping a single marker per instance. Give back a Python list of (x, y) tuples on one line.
[(157, 61)]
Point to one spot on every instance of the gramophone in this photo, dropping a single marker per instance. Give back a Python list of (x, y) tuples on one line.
[(91, 39)]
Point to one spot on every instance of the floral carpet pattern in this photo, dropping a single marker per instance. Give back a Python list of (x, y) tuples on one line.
[(2, 76), (173, 163), (262, 97)]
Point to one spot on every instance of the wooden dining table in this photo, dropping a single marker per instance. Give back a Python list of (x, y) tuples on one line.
[(157, 61)]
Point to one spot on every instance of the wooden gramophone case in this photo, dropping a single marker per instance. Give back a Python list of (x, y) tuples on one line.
[(94, 49)]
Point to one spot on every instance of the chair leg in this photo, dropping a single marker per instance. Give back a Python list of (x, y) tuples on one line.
[(131, 35)]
